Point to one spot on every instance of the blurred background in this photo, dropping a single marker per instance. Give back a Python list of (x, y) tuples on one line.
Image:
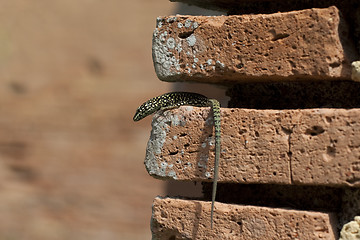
[(71, 159)]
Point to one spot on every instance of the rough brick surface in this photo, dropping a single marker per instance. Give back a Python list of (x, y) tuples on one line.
[(325, 146), (181, 219), (300, 45), (310, 146)]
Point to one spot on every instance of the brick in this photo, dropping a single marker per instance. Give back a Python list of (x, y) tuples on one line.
[(308, 146), (325, 145), (184, 219), (304, 45)]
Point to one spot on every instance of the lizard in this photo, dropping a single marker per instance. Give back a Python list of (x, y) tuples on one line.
[(176, 99)]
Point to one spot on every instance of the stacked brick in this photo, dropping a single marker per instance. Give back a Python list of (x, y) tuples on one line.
[(290, 154)]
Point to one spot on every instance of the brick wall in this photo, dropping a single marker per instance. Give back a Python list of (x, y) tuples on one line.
[(289, 166)]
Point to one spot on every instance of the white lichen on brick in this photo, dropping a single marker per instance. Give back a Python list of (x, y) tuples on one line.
[(219, 64), (154, 146), (172, 174), (175, 121), (167, 48), (207, 175), (164, 50), (158, 22), (211, 141), (187, 108), (171, 19), (191, 40), (162, 169), (170, 43), (161, 123), (191, 24), (178, 47), (188, 23), (160, 127)]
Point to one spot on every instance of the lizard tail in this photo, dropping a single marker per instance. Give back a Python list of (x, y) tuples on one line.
[(215, 105)]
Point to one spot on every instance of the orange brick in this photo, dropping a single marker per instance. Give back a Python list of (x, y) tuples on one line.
[(308, 146), (311, 44), (184, 219)]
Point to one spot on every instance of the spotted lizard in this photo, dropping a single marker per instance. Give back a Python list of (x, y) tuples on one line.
[(176, 99)]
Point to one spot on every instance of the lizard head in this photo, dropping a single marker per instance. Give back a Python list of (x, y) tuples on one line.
[(140, 113), (146, 109)]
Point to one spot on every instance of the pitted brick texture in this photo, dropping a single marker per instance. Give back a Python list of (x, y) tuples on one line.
[(325, 146), (309, 146), (182, 219), (302, 45)]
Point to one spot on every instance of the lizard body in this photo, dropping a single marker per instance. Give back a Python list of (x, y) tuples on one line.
[(176, 99)]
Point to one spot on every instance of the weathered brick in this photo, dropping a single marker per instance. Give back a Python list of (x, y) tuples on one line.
[(308, 146), (304, 45), (325, 146), (184, 219)]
